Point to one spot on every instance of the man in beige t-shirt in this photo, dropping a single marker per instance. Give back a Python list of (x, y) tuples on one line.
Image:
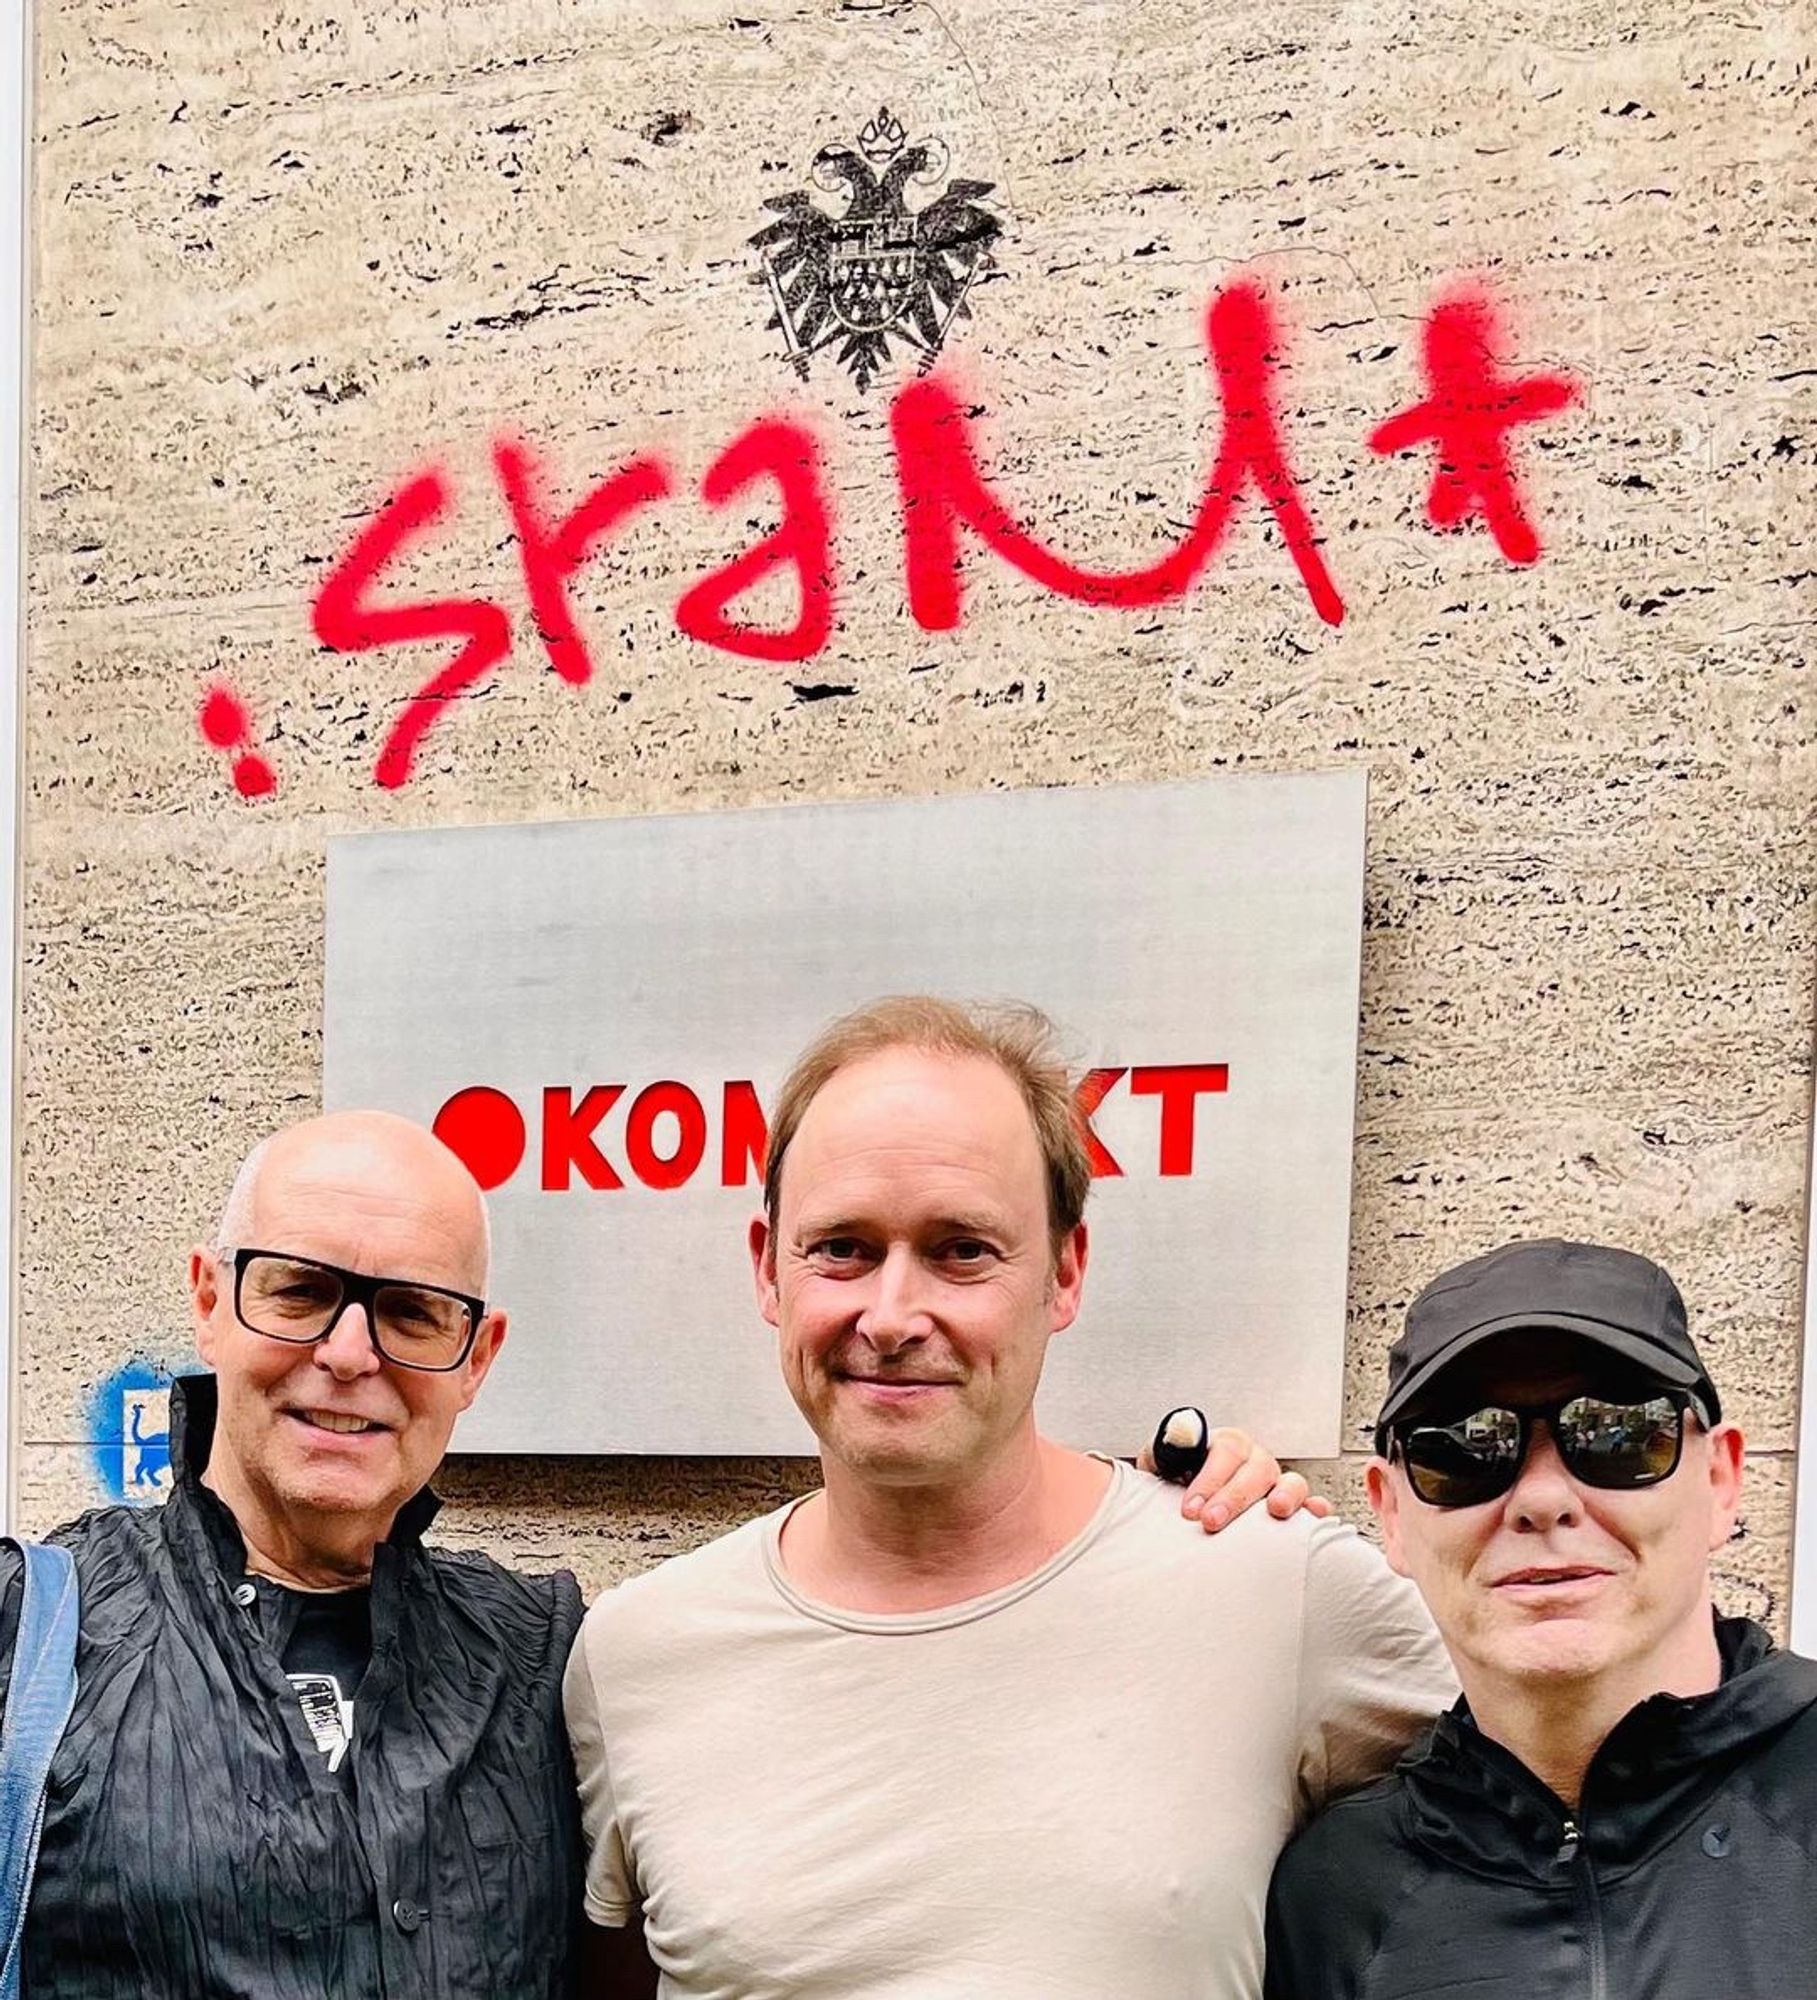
[(984, 1718)]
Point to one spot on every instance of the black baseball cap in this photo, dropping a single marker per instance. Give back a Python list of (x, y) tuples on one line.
[(1613, 1298)]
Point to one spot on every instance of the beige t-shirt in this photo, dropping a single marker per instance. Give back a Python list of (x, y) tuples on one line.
[(1074, 1786)]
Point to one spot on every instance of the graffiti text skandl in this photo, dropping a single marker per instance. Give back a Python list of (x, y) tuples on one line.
[(1467, 420)]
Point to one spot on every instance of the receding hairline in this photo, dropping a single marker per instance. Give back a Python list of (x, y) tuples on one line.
[(1012, 1037), (233, 1229), (235, 1225)]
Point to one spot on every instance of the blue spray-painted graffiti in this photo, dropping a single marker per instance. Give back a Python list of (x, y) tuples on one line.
[(129, 1431)]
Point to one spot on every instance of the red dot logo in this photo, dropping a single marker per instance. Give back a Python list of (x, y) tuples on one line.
[(486, 1129)]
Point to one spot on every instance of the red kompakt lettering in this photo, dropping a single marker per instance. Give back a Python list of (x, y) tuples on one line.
[(667, 1129), (1094, 1087), (743, 1138), (1179, 1086), (667, 1099), (568, 1143)]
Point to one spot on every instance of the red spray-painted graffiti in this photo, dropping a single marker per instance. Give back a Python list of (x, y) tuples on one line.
[(345, 620), (788, 454), (227, 726), (552, 551), (1467, 416), (942, 488)]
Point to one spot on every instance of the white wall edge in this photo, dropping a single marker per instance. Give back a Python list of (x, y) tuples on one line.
[(1804, 1513), (15, 189)]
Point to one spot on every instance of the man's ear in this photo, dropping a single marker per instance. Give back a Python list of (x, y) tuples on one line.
[(1385, 1503), (486, 1344), (762, 1242), (1727, 1458), (205, 1281), (1069, 1278)]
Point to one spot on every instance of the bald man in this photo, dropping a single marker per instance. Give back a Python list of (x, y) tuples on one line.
[(309, 1755), (225, 1817)]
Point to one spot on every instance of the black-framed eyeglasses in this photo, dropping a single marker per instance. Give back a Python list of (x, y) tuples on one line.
[(301, 1300), (1617, 1445)]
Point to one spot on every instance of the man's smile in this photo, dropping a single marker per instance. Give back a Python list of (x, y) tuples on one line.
[(339, 1423), (1547, 1580), (897, 1385)]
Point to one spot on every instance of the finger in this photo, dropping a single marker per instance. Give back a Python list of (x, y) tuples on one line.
[(1290, 1494), (1319, 1507), (1253, 1477), (1206, 1496)]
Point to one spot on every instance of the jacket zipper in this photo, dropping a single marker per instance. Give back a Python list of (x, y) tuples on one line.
[(1573, 1852)]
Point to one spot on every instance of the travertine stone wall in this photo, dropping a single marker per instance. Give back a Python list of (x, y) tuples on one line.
[(286, 256)]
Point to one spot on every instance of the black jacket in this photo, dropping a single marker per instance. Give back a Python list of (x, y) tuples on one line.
[(196, 1846), (1689, 1871)]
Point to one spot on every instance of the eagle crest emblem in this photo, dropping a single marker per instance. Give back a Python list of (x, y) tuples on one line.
[(880, 271)]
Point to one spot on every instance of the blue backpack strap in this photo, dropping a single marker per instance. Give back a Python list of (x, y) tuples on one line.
[(38, 1702)]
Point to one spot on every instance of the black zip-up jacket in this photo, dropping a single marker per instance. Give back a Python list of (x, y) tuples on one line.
[(1688, 1872), (196, 1845)]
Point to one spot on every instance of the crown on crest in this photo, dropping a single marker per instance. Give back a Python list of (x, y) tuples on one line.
[(883, 138)]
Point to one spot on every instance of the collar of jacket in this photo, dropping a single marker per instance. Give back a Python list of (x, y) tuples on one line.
[(194, 1404), (1477, 1804)]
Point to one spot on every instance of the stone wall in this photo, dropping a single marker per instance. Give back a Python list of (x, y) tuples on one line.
[(289, 257)]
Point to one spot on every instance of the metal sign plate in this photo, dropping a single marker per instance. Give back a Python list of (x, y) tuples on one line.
[(1198, 943)]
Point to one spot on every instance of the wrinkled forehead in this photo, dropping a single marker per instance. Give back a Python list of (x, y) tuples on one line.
[(1529, 1365)]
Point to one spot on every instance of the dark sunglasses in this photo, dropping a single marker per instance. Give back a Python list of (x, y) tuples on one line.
[(1617, 1446)]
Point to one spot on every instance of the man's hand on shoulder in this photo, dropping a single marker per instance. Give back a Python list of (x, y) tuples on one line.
[(1225, 1472)]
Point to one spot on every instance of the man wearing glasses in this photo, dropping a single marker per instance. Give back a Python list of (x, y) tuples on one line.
[(1624, 1804), (309, 1755)]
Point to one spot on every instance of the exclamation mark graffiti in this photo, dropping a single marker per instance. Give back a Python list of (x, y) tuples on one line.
[(228, 726)]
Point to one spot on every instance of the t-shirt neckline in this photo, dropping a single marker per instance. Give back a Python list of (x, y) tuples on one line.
[(941, 1617)]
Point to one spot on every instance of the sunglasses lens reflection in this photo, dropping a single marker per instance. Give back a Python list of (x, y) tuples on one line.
[(1464, 1463), (1615, 1445), (1620, 1445)]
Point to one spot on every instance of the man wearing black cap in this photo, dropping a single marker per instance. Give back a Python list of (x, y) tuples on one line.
[(1624, 1803)]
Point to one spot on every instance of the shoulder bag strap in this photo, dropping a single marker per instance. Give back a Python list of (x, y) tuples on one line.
[(38, 1702)]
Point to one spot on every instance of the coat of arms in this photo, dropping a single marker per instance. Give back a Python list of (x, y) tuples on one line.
[(879, 271)]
